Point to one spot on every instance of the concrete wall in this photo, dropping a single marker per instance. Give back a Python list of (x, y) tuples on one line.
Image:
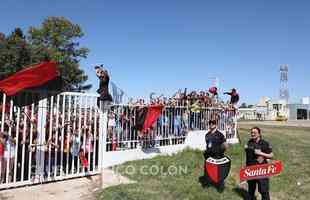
[(112, 158), (194, 140)]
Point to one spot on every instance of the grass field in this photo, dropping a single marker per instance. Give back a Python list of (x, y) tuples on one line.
[(291, 145)]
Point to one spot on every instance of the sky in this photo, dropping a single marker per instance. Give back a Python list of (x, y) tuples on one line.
[(161, 46)]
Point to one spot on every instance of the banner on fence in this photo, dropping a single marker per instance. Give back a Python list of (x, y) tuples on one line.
[(30, 77)]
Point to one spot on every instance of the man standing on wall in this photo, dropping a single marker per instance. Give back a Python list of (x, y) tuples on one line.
[(103, 102), (105, 96), (234, 98)]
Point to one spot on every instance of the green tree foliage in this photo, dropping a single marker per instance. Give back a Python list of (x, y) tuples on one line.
[(56, 39), (15, 52), (243, 105)]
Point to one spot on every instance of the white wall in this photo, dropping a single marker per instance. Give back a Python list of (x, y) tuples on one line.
[(112, 158), (194, 140)]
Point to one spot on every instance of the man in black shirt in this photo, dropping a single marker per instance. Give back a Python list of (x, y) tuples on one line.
[(215, 146), (234, 96), (104, 78), (105, 97), (257, 152)]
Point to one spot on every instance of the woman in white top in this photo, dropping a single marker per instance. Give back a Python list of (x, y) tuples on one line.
[(9, 155)]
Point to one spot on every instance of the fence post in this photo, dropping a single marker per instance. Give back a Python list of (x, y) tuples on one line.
[(235, 138), (103, 124), (42, 111)]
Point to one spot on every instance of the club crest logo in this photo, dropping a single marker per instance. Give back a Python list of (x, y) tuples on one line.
[(217, 169)]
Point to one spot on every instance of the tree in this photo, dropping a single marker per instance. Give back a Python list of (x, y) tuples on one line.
[(55, 39), (3, 55), (15, 53), (250, 106), (243, 105)]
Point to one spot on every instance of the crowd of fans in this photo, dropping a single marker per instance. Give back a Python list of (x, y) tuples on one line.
[(183, 111), (202, 99), (64, 145), (71, 144)]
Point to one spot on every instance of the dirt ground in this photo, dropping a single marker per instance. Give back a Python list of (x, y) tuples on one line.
[(81, 188), (73, 189)]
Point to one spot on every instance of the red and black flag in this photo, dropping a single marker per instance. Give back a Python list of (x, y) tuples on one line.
[(30, 77), (147, 116), (40, 77)]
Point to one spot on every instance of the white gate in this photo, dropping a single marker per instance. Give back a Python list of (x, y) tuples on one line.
[(53, 138)]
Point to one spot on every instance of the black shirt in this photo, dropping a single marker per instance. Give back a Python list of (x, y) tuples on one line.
[(104, 84), (214, 142), (251, 157), (234, 98), (104, 88)]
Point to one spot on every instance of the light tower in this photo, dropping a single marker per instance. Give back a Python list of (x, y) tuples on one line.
[(284, 94)]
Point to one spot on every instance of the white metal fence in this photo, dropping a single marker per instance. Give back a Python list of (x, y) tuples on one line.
[(171, 128), (49, 139), (65, 135)]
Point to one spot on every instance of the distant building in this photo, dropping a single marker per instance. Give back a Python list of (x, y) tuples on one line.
[(305, 100), (262, 108), (267, 109), (300, 111), (247, 114)]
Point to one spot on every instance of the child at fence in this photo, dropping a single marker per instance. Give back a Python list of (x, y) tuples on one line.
[(124, 128), (177, 126), (66, 145), (88, 148), (147, 138), (50, 155), (75, 150), (9, 155), (158, 138), (59, 144), (23, 149), (165, 127), (111, 130), (33, 151)]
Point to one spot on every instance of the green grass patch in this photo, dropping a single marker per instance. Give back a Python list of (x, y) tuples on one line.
[(177, 177)]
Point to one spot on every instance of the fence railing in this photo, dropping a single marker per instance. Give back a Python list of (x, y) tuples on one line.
[(54, 138), (171, 127), (45, 138)]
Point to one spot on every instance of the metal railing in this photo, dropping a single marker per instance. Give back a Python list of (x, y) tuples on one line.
[(48, 139), (171, 127), (54, 137)]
